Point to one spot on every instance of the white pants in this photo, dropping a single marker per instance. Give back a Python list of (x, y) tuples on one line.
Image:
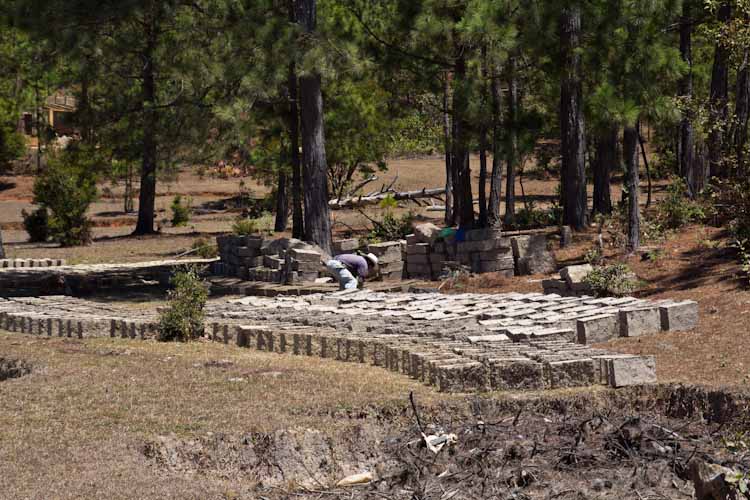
[(346, 279)]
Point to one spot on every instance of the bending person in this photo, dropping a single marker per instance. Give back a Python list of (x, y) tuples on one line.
[(352, 270)]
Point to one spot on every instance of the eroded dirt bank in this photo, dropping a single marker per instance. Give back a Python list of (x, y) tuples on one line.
[(643, 443)]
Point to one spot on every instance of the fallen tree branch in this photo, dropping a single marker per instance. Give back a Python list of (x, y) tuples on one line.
[(396, 195)]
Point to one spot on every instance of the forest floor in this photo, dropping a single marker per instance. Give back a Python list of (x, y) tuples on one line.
[(115, 419)]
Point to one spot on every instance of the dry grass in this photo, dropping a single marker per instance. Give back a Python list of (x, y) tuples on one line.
[(75, 427)]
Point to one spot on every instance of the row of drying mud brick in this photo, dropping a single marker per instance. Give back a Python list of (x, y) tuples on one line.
[(38, 324), (13, 263), (452, 366)]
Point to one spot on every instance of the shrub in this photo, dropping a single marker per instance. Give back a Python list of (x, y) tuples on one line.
[(36, 224), (391, 227), (676, 209), (247, 226), (204, 249), (614, 280), (530, 217), (182, 320), (594, 256), (66, 188), (180, 212)]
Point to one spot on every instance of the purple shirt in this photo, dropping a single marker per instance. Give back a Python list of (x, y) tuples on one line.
[(356, 264)]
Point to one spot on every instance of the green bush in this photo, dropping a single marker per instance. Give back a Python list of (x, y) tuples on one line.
[(245, 227), (676, 209), (204, 249), (615, 280), (36, 224), (391, 227), (530, 217), (66, 188), (183, 318), (180, 212)]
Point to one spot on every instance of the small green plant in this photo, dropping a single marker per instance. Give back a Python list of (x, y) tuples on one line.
[(180, 211), (531, 217), (182, 320), (247, 226), (594, 256), (654, 255), (66, 188), (204, 249), (614, 280), (36, 224)]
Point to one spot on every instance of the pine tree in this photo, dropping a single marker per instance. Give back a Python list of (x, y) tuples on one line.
[(573, 142), (719, 97)]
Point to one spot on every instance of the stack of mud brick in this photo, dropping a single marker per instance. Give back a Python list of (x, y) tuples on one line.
[(570, 282), (249, 258), (14, 263), (481, 251), (389, 254)]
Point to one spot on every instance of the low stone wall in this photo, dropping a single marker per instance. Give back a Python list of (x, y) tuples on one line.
[(8, 263), (481, 251)]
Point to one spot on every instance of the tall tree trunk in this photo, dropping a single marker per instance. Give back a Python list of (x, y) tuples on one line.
[(605, 159), (511, 148), (314, 166), (686, 141), (718, 101), (742, 112), (147, 194), (573, 138), (460, 162), (496, 179), (630, 146), (298, 224), (282, 203), (483, 145), (447, 130)]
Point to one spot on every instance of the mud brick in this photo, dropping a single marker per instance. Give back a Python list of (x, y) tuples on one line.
[(679, 316), (484, 234), (462, 377), (246, 336), (302, 344), (252, 242), (594, 329), (304, 255), (411, 239), (418, 259), (637, 321), (245, 252), (344, 246), (483, 245), (570, 373), (602, 366), (418, 249), (113, 328), (497, 266), (418, 269), (431, 365), (272, 262), (60, 328), (225, 334), (123, 329), (515, 373), (133, 330), (635, 370), (387, 252), (306, 267)]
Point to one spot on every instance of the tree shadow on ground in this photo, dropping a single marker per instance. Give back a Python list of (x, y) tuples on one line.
[(707, 265)]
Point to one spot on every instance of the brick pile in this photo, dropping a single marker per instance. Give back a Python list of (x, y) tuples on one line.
[(274, 261)]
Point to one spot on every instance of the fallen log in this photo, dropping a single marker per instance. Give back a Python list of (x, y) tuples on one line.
[(357, 201)]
